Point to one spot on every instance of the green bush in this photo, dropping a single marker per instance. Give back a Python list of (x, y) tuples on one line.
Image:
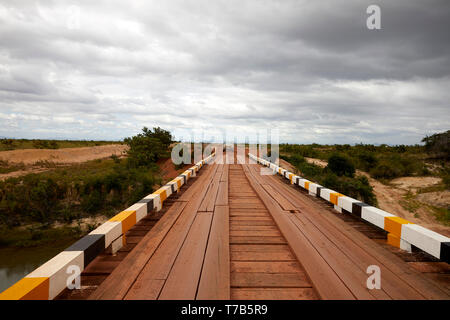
[(438, 145), (87, 189), (341, 165), (367, 160), (45, 144), (148, 147), (387, 170), (356, 187)]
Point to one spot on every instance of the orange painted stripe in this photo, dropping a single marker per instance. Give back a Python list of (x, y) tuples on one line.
[(394, 225), (393, 240), (334, 197), (290, 177), (162, 194), (307, 185), (28, 289), (127, 218)]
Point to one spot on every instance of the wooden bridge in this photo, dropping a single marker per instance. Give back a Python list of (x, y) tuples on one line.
[(234, 233)]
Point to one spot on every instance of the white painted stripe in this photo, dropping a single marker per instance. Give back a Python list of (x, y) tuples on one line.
[(375, 216), (423, 238), (111, 229), (56, 270), (325, 193), (313, 187), (301, 183), (156, 201), (346, 203), (141, 210)]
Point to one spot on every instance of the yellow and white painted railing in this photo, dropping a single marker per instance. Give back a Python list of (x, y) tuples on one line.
[(50, 279), (401, 232)]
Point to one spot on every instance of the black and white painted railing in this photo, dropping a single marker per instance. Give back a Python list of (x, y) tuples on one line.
[(50, 279), (401, 232)]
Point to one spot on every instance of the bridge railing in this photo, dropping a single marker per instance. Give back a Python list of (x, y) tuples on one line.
[(51, 278), (401, 232)]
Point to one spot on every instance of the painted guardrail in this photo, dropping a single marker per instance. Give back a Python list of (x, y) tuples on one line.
[(401, 232), (50, 279)]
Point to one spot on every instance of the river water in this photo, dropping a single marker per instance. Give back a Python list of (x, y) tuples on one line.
[(15, 263)]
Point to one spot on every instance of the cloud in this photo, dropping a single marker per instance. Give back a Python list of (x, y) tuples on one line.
[(312, 70)]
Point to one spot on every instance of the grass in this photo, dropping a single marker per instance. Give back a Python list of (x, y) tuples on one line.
[(381, 162), (40, 236), (6, 167), (357, 187), (442, 215), (98, 187), (15, 144)]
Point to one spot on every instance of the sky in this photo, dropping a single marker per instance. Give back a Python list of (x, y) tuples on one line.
[(310, 70)]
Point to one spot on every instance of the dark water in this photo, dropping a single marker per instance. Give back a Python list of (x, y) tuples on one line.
[(15, 263)]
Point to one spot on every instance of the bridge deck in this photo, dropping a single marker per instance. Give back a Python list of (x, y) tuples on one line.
[(236, 234)]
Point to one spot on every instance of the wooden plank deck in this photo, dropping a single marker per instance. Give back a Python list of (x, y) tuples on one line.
[(235, 234)]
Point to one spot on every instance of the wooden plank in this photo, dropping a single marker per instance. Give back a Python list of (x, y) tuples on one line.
[(224, 176), (257, 240), (184, 277), (255, 233), (255, 213), (324, 279), (258, 222), (278, 197), (266, 267), (261, 256), (121, 279), (205, 178), (238, 227), (160, 264), (269, 280), (353, 277), (273, 294), (211, 195), (238, 202), (250, 218), (238, 194), (392, 266), (250, 206), (215, 276), (222, 194)]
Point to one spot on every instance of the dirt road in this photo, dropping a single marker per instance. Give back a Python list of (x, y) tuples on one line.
[(31, 157)]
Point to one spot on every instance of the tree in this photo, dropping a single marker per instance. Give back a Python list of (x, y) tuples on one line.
[(438, 144), (341, 165), (148, 147)]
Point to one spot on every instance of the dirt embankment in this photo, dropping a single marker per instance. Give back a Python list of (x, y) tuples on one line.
[(401, 198), (37, 160)]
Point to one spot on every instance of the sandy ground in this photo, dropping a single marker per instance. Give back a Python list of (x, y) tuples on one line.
[(168, 170), (65, 155), (391, 198), (31, 157)]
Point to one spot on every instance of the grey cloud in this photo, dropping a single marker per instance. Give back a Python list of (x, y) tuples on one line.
[(310, 69)]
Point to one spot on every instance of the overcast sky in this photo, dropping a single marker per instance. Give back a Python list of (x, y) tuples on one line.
[(311, 69)]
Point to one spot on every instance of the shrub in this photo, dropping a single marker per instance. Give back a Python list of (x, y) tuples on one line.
[(45, 144), (341, 165), (438, 144), (148, 147), (387, 170), (367, 160)]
